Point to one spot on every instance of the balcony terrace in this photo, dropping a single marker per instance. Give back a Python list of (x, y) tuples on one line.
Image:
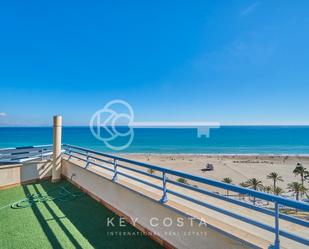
[(127, 188)]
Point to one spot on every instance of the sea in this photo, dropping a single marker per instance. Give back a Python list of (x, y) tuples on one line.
[(223, 140)]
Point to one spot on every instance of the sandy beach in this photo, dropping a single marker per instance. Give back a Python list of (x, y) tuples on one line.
[(238, 167)]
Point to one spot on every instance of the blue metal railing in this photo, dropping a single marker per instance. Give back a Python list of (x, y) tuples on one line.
[(117, 162), (25, 153)]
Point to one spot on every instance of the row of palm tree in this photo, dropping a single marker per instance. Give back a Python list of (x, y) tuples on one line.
[(275, 177), (298, 189), (229, 181), (302, 172)]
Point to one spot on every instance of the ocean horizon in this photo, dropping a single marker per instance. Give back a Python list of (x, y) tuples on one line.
[(224, 140)]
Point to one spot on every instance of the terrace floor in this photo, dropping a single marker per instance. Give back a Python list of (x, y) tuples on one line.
[(68, 221)]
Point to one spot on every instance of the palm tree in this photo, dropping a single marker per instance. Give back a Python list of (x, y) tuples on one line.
[(229, 181), (244, 185), (297, 189), (300, 170), (267, 189), (278, 191), (254, 184), (275, 177), (307, 175)]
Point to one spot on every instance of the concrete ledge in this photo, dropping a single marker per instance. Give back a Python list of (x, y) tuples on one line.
[(17, 174), (142, 229), (25, 182), (11, 165)]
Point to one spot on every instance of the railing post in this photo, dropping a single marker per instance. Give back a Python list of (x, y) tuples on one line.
[(164, 196), (115, 171), (70, 152), (87, 160), (277, 230)]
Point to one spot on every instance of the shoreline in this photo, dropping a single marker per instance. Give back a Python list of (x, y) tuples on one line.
[(213, 154)]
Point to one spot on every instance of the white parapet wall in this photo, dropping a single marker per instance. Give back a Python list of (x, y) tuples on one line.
[(16, 174), (168, 226)]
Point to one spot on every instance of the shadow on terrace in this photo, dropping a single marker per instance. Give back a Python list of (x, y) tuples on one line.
[(65, 218)]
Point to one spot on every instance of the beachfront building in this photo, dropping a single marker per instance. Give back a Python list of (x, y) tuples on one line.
[(65, 196)]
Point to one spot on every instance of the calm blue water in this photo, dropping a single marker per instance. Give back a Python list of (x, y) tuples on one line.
[(236, 139)]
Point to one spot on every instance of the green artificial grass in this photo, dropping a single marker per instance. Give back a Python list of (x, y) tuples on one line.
[(78, 222)]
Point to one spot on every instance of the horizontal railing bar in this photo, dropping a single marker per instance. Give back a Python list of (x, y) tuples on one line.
[(91, 156), (23, 155), (294, 220), (88, 150), (139, 180), (31, 146), (78, 152), (268, 197), (223, 211), (35, 157), (23, 149), (29, 152), (221, 197), (17, 157), (77, 157), (241, 203), (294, 237), (100, 159), (242, 218), (25, 159), (90, 162), (139, 171), (101, 166)]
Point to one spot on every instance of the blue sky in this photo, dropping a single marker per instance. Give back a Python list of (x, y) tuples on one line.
[(226, 61)]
